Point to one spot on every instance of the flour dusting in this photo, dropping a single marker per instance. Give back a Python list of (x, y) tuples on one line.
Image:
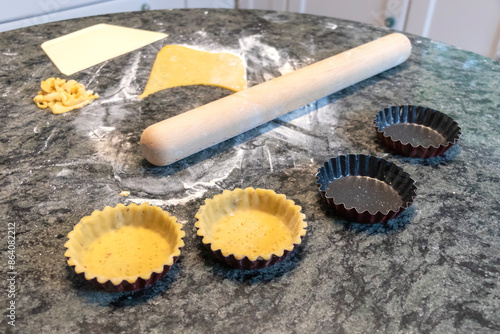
[(127, 88), (155, 202), (331, 26), (264, 59)]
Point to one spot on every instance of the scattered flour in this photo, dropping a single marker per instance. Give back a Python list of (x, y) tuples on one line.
[(194, 181), (264, 58), (127, 88), (331, 26)]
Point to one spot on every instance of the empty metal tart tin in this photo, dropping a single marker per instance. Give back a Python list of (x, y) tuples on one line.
[(365, 189), (416, 131)]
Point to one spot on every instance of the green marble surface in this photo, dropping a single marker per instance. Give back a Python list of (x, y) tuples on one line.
[(434, 269)]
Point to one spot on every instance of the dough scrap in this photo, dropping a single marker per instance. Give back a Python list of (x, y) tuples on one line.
[(177, 65), (61, 96)]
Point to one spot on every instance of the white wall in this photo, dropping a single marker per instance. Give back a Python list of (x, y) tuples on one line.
[(471, 25)]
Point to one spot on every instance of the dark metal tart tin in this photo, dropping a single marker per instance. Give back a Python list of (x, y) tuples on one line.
[(415, 131), (365, 189)]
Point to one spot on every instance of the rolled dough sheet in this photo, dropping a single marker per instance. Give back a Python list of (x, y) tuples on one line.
[(177, 65), (93, 45)]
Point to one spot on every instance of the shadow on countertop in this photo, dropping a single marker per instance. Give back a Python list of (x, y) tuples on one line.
[(93, 295), (254, 276)]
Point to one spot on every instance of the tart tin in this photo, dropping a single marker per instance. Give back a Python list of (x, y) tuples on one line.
[(365, 189), (415, 131), (267, 227), (125, 248)]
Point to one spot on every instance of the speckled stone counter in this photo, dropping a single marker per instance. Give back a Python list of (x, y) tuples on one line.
[(434, 269)]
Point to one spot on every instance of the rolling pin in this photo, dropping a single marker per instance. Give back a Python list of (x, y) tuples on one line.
[(190, 132)]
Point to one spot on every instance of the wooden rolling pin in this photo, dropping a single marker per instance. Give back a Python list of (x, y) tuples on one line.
[(180, 136)]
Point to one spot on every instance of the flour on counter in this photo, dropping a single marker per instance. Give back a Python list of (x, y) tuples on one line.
[(331, 26), (194, 181), (127, 88), (101, 132), (264, 57), (155, 202), (198, 189)]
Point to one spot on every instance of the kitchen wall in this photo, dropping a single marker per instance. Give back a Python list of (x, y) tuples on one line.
[(467, 24), (470, 25)]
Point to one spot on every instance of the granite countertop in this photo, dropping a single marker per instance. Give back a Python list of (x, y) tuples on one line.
[(436, 268)]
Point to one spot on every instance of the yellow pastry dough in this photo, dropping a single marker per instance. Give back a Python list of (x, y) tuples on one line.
[(133, 243), (127, 251), (251, 223), (251, 232), (181, 66), (61, 96)]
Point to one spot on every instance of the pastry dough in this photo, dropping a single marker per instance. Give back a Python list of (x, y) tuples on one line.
[(251, 232), (61, 96), (181, 66), (127, 251)]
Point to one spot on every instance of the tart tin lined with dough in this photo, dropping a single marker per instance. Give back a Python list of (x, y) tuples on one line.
[(250, 228), (365, 189), (415, 131), (125, 248)]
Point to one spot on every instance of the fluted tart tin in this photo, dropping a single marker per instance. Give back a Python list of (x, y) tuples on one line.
[(125, 248), (250, 228), (365, 189), (416, 131)]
